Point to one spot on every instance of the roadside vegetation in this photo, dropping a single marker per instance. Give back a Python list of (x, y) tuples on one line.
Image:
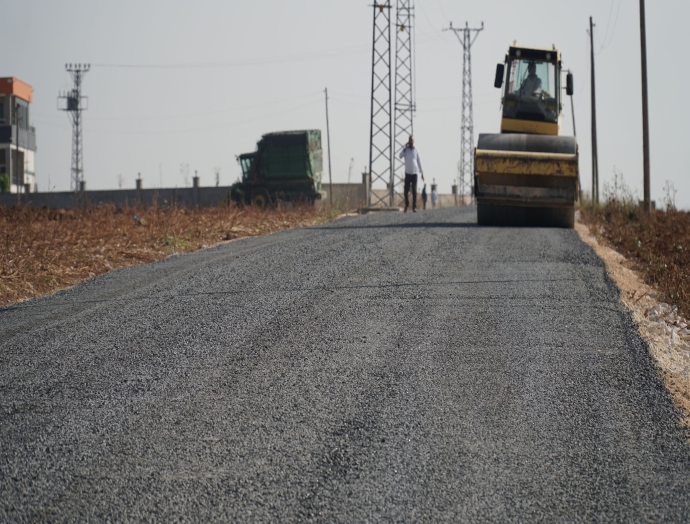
[(44, 250), (657, 244), (4, 183)]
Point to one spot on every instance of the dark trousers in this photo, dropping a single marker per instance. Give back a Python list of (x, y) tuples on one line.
[(410, 181)]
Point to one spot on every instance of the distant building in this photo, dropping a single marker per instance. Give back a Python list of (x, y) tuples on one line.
[(17, 137)]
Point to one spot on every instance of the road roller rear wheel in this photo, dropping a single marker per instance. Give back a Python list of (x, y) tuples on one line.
[(517, 216)]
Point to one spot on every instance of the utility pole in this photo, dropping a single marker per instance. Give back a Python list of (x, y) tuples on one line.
[(10, 163), (74, 106), (595, 156), (466, 166), (328, 139), (579, 185), (645, 110), (16, 167)]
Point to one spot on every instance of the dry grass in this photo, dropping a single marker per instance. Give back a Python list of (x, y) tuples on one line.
[(657, 244), (44, 250)]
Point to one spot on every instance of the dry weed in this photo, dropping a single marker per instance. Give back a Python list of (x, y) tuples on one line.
[(657, 244), (43, 250)]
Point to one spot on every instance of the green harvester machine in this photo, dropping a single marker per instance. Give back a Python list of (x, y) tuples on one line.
[(286, 166)]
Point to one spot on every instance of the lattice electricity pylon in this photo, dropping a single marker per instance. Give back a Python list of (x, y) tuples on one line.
[(404, 89), (466, 174), (381, 143), (74, 104)]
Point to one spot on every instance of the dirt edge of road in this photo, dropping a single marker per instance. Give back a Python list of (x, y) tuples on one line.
[(657, 322), (48, 250)]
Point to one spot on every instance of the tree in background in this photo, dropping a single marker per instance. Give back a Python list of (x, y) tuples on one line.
[(4, 183)]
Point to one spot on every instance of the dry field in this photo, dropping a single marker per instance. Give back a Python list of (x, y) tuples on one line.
[(44, 250), (656, 244)]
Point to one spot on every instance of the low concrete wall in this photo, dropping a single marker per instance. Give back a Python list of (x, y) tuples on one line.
[(185, 197), (348, 196)]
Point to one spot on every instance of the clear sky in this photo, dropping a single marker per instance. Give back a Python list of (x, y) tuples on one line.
[(204, 80)]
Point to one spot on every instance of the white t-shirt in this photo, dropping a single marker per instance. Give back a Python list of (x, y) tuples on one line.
[(531, 86), (413, 165)]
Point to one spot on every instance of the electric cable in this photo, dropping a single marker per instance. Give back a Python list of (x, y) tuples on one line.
[(244, 62), (604, 43), (205, 128), (191, 115)]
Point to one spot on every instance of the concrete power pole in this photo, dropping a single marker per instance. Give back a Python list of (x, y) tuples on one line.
[(328, 140), (16, 166), (466, 168), (595, 157), (645, 110)]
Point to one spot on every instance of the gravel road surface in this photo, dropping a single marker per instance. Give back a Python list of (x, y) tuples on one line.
[(390, 367)]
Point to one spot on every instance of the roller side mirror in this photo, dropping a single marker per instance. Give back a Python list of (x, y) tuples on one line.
[(569, 84), (498, 82)]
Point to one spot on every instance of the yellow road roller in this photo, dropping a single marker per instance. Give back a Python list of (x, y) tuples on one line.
[(528, 174)]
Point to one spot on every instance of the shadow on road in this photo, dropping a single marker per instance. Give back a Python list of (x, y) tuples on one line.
[(402, 226)]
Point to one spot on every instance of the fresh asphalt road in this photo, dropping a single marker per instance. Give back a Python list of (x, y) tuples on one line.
[(389, 367)]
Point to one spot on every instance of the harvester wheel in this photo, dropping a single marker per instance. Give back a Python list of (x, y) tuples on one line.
[(260, 199), (518, 216)]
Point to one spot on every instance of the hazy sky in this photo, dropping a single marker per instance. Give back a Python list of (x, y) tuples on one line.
[(206, 79)]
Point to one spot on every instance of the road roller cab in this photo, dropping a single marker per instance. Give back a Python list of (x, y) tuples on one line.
[(528, 174)]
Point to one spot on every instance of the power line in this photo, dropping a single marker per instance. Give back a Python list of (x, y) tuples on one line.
[(205, 113), (605, 44), (348, 102), (242, 63), (426, 17), (608, 22), (207, 128), (582, 86), (442, 10)]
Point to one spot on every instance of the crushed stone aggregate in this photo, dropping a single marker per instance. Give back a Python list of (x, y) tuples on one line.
[(387, 367)]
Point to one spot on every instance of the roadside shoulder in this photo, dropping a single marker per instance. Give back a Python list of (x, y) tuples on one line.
[(659, 324)]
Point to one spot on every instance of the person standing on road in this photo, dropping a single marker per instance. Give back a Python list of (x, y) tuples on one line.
[(413, 167), (434, 196), (424, 197)]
